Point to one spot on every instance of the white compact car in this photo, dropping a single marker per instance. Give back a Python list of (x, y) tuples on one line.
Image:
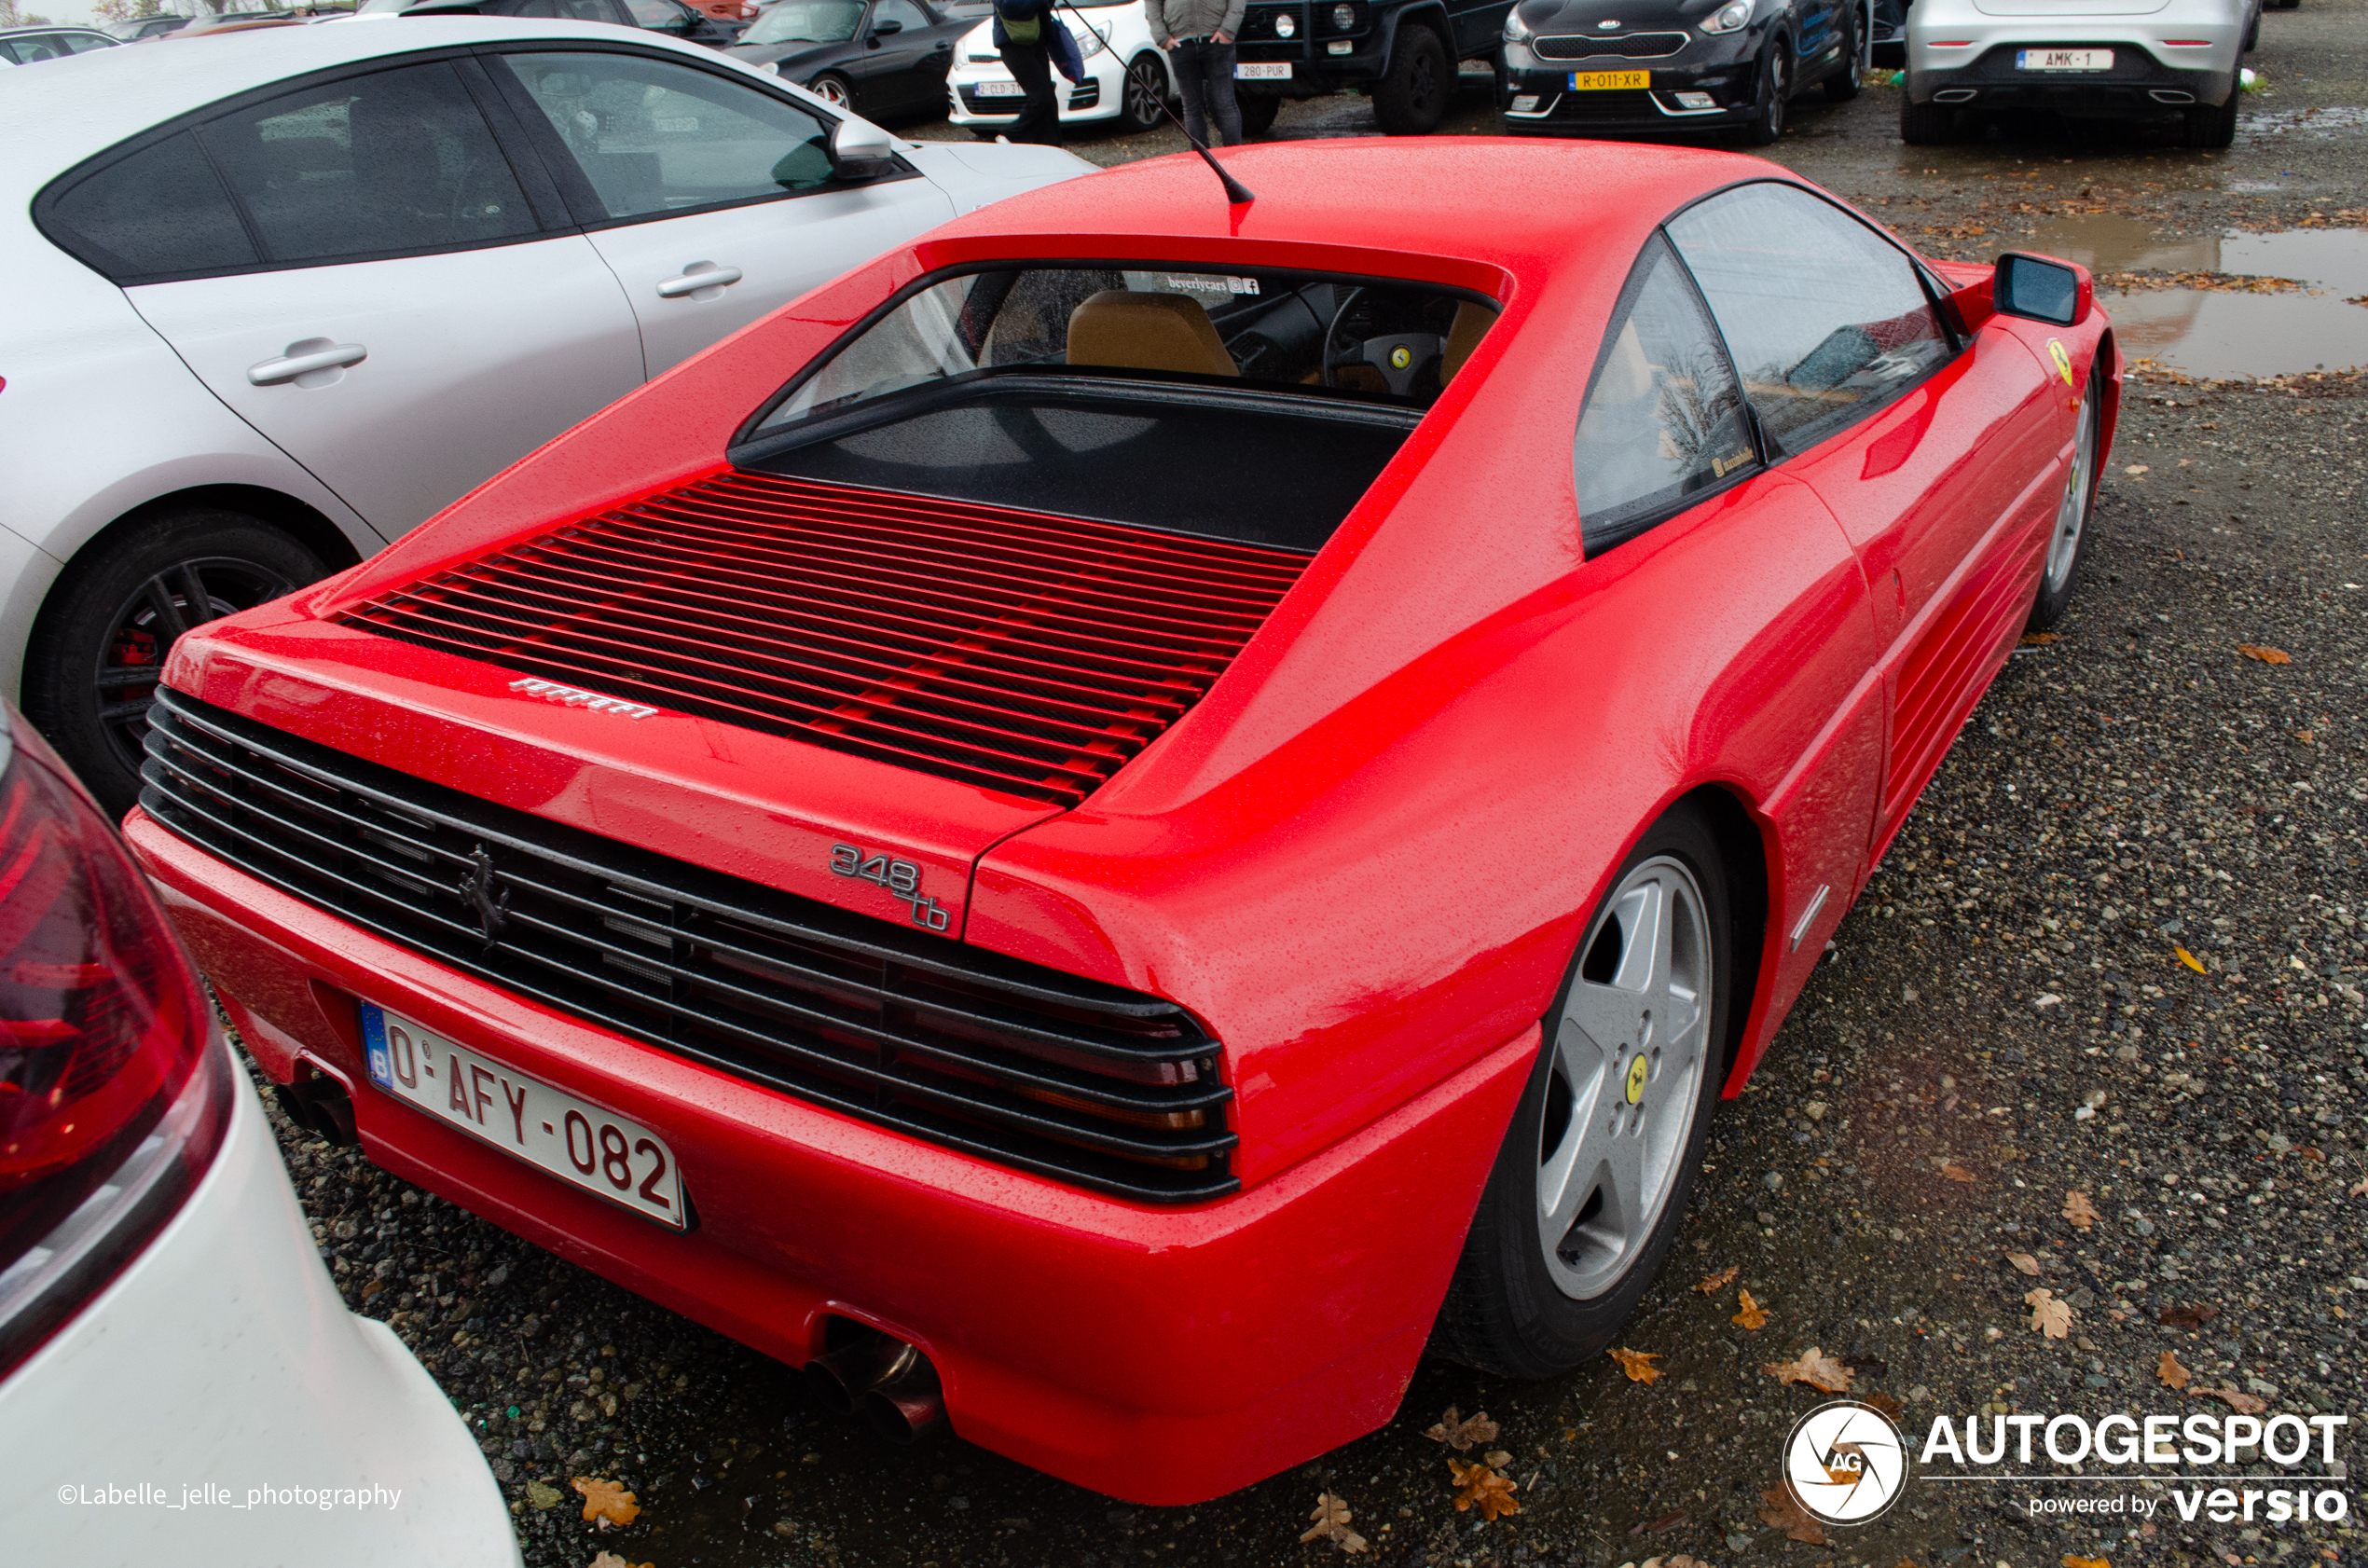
[(2081, 59), (1127, 76), (279, 298), (179, 1380)]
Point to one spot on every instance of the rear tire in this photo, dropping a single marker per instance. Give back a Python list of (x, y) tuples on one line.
[(102, 638), (1258, 110), (1768, 108), (2208, 125), (1578, 1137), (1843, 87), (832, 88), (1926, 125), (1410, 99)]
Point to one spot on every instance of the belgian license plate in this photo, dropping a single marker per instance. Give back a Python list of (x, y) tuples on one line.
[(1001, 89), (578, 1142), (2063, 60), (1263, 71), (1609, 82)]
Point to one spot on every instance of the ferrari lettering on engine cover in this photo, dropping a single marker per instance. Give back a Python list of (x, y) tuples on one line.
[(572, 696)]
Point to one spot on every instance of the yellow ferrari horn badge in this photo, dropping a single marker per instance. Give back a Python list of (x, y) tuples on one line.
[(1401, 356), (2062, 356), (1636, 1071)]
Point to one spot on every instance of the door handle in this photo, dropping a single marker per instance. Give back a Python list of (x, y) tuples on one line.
[(287, 368), (698, 275)]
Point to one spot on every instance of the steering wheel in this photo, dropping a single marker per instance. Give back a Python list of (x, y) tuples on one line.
[(1399, 356)]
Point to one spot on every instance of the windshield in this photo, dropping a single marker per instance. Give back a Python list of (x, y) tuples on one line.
[(806, 21), (1373, 339)]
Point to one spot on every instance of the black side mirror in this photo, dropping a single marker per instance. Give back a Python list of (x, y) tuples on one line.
[(2041, 290), (861, 150), (883, 28)]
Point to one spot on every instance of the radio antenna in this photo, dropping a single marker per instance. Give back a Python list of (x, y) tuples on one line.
[(1237, 193)]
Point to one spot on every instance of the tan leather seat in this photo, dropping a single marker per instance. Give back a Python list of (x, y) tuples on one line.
[(1472, 323), (1136, 331)]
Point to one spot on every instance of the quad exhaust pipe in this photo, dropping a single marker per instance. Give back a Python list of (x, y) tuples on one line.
[(880, 1380)]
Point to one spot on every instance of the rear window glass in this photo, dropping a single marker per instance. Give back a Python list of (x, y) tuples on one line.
[(159, 212), (1366, 340)]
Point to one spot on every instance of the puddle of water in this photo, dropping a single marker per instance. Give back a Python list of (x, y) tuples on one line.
[(2315, 123), (2217, 334)]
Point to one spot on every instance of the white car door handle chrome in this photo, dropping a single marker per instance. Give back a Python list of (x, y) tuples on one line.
[(287, 368), (698, 275)]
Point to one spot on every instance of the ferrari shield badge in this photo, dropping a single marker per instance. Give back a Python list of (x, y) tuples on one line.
[(2057, 351), (1636, 1071)]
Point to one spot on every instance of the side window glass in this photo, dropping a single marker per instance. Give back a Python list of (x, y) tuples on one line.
[(1663, 418), (655, 138), (400, 160), (903, 12), (1824, 317), (159, 213)]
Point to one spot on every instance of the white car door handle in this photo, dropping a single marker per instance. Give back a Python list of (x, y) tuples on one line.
[(698, 275), (287, 368)]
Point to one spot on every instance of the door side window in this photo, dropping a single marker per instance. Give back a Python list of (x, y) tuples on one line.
[(1663, 421), (156, 215), (1826, 318), (395, 162), (902, 12), (654, 138)]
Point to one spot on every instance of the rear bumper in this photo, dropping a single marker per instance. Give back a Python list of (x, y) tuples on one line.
[(1163, 1355), (222, 1357), (2146, 77)]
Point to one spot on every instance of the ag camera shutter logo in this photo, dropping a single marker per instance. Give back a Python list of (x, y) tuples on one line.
[(1845, 1463)]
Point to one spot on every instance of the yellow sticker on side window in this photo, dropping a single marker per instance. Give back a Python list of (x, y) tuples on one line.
[(1606, 81)]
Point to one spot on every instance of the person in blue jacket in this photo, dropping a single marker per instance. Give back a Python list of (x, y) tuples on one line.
[(1032, 41)]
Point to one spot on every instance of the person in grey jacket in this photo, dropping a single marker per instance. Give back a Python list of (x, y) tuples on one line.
[(1200, 35)]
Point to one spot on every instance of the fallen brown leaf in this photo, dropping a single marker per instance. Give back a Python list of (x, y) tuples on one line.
[(2359, 1189), (2080, 1211), (1331, 1516), (542, 1496), (2024, 1263), (1483, 1488), (1638, 1364), (610, 1559), (2266, 654), (2040, 639), (1753, 1315), (2194, 1316), (1713, 1284), (2242, 1403), (2187, 958), (1653, 1527), (1884, 1403), (1459, 1434), (1956, 1173), (2087, 1563), (1815, 1368), (2172, 1374), (1785, 1513), (606, 1501), (2048, 1315)]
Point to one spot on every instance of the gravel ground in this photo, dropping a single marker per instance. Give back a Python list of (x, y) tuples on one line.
[(2008, 1004)]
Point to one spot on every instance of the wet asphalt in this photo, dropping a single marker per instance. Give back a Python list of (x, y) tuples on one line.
[(2009, 1003)]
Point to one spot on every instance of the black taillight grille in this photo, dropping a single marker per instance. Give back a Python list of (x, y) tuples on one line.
[(1110, 1089)]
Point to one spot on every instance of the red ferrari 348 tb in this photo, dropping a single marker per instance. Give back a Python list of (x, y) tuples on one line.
[(1111, 825)]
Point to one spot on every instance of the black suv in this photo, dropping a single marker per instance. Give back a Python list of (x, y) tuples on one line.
[(1402, 52)]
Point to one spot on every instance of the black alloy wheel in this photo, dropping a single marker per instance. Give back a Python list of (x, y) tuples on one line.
[(101, 641), (1410, 99), (1767, 110), (1143, 92)]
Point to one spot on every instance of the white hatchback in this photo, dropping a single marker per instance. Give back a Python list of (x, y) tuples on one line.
[(1127, 76), (282, 297)]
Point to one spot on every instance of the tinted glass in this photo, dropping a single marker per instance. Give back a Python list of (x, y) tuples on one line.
[(901, 12), (38, 47), (396, 162), (1826, 318), (83, 43), (1663, 418), (791, 22), (159, 212), (655, 138), (666, 15)]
